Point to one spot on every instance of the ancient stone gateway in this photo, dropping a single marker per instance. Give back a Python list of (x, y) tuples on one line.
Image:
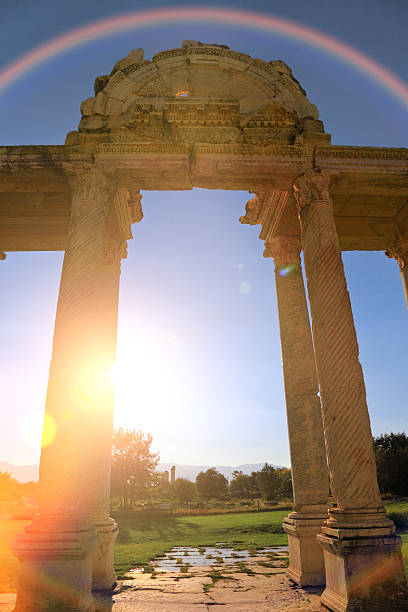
[(206, 116)]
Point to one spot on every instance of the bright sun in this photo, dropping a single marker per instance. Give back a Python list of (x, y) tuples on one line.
[(148, 382)]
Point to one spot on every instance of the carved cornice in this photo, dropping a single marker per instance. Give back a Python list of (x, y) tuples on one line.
[(399, 252), (115, 251), (2, 255), (284, 250), (312, 186), (91, 183)]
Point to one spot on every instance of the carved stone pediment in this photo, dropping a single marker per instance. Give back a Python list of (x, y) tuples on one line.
[(198, 93)]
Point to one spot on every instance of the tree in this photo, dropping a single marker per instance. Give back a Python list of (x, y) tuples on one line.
[(268, 482), (133, 465), (285, 483), (391, 453), (274, 483), (211, 483), (8, 486), (183, 490), (241, 484)]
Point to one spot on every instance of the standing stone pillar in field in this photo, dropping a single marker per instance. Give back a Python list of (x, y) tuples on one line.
[(400, 253), (57, 550), (364, 565), (307, 449)]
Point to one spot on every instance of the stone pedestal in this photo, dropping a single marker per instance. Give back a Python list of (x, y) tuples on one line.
[(364, 566), (103, 574), (306, 441), (55, 571), (306, 562)]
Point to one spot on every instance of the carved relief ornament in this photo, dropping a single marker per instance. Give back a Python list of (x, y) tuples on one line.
[(91, 183), (253, 211), (135, 206), (115, 250), (313, 185), (284, 250), (400, 253)]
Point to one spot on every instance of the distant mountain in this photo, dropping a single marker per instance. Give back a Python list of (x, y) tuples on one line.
[(191, 471), (22, 473)]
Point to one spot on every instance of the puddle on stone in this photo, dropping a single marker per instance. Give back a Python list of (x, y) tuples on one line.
[(220, 554)]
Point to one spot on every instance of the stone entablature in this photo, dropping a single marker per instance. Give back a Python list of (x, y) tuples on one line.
[(370, 192)]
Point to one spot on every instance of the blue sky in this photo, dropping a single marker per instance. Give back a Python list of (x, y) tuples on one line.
[(199, 345)]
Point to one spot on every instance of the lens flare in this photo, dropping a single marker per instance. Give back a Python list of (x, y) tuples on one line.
[(286, 270), (245, 288), (49, 430)]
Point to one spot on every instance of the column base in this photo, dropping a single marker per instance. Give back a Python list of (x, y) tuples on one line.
[(103, 573), (306, 561), (55, 573), (364, 574)]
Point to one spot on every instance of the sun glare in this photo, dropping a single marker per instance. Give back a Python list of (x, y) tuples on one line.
[(148, 385)]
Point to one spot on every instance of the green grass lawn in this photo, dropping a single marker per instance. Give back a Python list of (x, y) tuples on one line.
[(142, 539)]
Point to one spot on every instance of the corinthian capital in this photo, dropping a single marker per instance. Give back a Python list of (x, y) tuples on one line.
[(91, 183), (284, 250), (311, 186), (399, 252), (253, 211)]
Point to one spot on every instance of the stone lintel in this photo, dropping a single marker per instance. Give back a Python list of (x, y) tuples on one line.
[(364, 221)]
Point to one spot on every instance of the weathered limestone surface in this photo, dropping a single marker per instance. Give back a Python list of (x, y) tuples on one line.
[(357, 537), (262, 589), (75, 459), (307, 447), (306, 441), (204, 116)]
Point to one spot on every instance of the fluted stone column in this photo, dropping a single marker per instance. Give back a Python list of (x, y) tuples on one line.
[(57, 551), (364, 565), (400, 252), (307, 448), (103, 574)]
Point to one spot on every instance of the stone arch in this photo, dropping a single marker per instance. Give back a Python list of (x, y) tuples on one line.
[(199, 93)]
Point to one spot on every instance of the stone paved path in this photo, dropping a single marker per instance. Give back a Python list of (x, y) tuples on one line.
[(248, 587)]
